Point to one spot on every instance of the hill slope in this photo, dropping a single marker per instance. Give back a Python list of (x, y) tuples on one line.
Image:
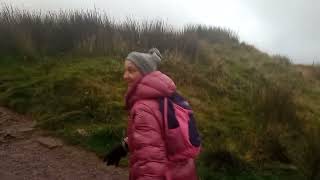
[(258, 114)]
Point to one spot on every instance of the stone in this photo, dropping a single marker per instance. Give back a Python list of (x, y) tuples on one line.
[(49, 142), (24, 130), (82, 132)]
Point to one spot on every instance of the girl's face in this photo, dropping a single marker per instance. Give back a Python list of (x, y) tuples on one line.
[(131, 73)]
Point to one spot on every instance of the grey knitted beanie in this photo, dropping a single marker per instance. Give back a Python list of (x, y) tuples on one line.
[(146, 62)]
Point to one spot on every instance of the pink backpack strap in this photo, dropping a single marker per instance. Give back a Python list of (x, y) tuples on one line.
[(165, 114), (164, 119)]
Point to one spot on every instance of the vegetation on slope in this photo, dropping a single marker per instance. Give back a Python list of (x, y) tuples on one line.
[(258, 114)]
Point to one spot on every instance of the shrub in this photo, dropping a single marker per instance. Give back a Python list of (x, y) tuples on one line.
[(274, 105)]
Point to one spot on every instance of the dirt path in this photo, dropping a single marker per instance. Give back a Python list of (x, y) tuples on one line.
[(27, 153)]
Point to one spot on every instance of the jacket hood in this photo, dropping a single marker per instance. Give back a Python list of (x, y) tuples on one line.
[(151, 86)]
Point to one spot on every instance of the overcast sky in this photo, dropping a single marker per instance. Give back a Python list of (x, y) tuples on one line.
[(286, 27)]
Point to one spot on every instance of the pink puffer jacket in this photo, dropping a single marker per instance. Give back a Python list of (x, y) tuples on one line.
[(148, 159)]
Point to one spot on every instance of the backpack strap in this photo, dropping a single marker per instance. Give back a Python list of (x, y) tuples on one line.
[(167, 108), (162, 106), (165, 113)]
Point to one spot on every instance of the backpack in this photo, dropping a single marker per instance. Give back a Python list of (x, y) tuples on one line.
[(180, 132)]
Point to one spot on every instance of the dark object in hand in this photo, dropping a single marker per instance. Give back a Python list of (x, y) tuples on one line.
[(114, 156)]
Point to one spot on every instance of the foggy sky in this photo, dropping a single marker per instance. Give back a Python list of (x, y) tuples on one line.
[(286, 27)]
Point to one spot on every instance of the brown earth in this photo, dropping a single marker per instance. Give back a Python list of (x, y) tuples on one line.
[(29, 153)]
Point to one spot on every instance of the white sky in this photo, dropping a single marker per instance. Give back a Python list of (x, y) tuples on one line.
[(287, 27)]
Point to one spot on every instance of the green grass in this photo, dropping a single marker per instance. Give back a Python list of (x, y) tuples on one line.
[(66, 95), (81, 101), (255, 108), (274, 174)]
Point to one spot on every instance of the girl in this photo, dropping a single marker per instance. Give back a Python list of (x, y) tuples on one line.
[(145, 142)]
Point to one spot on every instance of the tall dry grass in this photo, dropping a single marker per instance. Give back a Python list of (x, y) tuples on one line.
[(93, 33)]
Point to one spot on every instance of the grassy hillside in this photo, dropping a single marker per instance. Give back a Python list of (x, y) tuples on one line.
[(258, 114)]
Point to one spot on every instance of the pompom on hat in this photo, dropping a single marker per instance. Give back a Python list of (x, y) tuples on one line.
[(146, 62)]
